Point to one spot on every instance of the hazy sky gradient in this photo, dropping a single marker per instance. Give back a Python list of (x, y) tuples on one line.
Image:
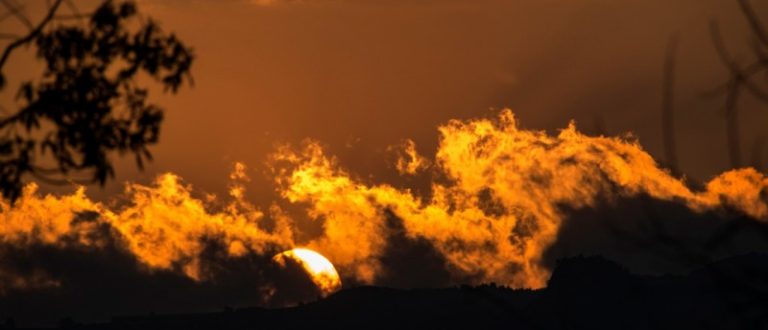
[(361, 75)]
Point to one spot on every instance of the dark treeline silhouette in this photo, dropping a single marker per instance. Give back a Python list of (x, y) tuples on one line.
[(647, 236), (583, 293)]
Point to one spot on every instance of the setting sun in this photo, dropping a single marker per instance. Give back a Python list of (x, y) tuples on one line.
[(321, 270), (407, 164)]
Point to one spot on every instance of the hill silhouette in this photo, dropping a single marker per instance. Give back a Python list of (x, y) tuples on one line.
[(583, 293)]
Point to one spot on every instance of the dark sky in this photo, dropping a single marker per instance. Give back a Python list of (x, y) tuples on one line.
[(361, 75)]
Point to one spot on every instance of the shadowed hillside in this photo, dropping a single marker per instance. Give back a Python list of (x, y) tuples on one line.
[(583, 293)]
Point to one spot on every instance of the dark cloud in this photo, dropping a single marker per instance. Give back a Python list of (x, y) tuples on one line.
[(93, 285), (411, 262), (89, 284), (652, 236)]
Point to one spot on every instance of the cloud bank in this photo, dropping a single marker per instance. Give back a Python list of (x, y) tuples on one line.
[(504, 204)]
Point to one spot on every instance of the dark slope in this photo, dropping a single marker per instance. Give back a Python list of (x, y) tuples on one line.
[(583, 293)]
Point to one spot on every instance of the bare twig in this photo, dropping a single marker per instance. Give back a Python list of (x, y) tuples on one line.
[(754, 21), (73, 8), (736, 82), (58, 182), (5, 16), (757, 153), (760, 52), (750, 71), (32, 34), (732, 124), (72, 17), (75, 13), (737, 74), (16, 11), (599, 124), (667, 119)]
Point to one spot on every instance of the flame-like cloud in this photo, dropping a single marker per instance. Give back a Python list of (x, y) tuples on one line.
[(409, 161), (162, 225), (496, 208), (501, 207)]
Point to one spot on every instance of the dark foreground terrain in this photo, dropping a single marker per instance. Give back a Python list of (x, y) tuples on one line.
[(583, 293)]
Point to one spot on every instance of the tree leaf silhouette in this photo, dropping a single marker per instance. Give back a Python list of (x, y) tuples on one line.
[(88, 103)]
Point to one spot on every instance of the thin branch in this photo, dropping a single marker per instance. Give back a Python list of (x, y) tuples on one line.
[(667, 118), (32, 34), (754, 89), (72, 17), (757, 153), (760, 52), (754, 21), (59, 182), (739, 75), (48, 175), (5, 16), (731, 102), (16, 11), (10, 119), (73, 8), (749, 71), (732, 124), (45, 170), (75, 13), (599, 123)]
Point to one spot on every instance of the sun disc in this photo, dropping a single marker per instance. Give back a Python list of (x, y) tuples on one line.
[(320, 270)]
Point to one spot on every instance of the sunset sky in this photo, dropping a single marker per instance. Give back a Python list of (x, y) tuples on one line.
[(327, 144), (362, 75)]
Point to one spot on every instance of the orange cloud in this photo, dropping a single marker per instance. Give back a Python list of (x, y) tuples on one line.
[(492, 217)]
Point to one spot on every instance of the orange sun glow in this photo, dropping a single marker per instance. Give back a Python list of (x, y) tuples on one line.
[(321, 270)]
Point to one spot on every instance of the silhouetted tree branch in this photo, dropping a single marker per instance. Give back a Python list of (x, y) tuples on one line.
[(741, 77), (88, 103), (754, 21), (14, 10), (33, 33), (668, 119)]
